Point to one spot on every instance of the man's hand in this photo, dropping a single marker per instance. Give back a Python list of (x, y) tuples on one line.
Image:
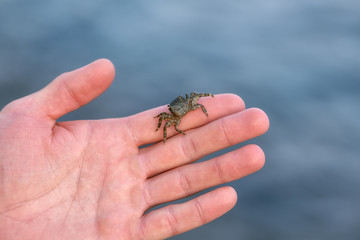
[(90, 179)]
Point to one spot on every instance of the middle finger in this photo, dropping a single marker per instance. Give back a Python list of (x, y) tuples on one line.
[(201, 141), (191, 178)]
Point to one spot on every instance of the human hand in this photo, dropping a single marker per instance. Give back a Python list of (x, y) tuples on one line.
[(90, 180)]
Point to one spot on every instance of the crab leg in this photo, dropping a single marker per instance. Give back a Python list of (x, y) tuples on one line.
[(196, 106), (176, 127), (194, 97), (168, 124), (162, 116)]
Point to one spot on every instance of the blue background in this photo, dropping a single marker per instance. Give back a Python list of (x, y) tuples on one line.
[(297, 60)]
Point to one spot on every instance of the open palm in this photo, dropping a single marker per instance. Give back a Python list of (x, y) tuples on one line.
[(90, 179)]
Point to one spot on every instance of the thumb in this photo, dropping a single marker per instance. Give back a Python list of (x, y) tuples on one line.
[(71, 90)]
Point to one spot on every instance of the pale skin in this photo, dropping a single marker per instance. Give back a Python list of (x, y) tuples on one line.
[(90, 180)]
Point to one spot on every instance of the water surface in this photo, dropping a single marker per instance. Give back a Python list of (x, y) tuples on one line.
[(297, 60)]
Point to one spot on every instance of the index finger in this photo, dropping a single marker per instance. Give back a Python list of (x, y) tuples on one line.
[(142, 126)]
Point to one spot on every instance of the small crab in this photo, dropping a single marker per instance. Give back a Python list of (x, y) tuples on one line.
[(179, 107)]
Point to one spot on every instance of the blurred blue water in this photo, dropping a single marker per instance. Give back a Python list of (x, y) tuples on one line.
[(297, 60)]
